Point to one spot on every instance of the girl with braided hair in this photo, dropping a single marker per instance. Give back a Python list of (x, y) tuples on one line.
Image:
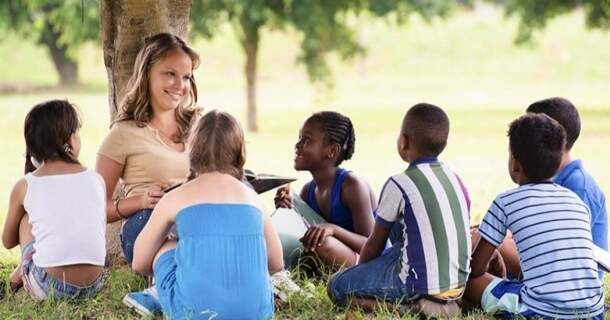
[(345, 201)]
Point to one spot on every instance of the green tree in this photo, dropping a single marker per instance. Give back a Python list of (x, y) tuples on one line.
[(324, 27), (534, 15), (59, 25)]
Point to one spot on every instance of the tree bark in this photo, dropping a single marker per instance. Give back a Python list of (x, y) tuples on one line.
[(67, 68), (250, 41), (125, 24)]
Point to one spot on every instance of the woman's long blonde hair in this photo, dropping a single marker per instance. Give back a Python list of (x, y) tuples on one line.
[(136, 102)]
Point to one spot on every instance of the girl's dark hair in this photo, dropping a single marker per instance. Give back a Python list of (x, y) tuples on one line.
[(337, 129), (47, 130)]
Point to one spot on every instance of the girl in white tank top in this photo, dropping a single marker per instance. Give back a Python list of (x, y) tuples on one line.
[(57, 210)]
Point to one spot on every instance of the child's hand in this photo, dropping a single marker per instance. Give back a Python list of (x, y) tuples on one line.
[(315, 235), (152, 196), (282, 197)]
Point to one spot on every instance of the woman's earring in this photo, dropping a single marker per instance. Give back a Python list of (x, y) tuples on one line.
[(67, 149)]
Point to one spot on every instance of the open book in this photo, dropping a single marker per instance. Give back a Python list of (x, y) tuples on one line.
[(264, 182)]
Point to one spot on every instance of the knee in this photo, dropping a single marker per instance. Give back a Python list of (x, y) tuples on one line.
[(333, 289)]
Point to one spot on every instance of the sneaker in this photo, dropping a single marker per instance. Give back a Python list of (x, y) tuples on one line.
[(283, 286), (145, 302)]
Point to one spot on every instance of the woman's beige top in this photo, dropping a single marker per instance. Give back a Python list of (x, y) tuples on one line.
[(146, 159)]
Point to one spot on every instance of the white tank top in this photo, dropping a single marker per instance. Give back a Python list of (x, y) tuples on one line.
[(68, 217)]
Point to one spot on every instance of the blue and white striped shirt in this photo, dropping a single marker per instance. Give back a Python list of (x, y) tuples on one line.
[(550, 226)]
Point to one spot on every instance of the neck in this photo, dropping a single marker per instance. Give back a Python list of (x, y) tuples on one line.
[(165, 122), (324, 177), (565, 160)]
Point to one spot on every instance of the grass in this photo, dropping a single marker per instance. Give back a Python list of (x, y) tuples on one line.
[(467, 64)]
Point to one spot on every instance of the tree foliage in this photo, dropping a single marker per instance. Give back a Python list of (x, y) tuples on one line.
[(60, 25), (534, 15)]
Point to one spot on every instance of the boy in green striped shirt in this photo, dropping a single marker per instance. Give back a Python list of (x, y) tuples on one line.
[(425, 213)]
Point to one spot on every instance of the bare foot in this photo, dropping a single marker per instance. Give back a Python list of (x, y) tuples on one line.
[(16, 279)]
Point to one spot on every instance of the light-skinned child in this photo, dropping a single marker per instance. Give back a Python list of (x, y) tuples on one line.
[(345, 201), (227, 246), (551, 229), (57, 210), (430, 204)]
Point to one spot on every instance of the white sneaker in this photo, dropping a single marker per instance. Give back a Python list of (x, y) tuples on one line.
[(283, 286)]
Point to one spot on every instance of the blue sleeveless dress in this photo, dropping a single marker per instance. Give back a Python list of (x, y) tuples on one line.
[(219, 267), (339, 214)]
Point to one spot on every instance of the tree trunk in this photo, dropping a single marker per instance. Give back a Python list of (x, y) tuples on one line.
[(66, 67), (124, 25), (251, 37)]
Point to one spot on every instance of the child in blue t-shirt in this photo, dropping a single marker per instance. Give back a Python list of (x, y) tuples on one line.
[(571, 175), (551, 230)]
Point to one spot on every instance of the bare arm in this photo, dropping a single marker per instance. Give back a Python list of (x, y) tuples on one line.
[(356, 196), (375, 243), (480, 258), (152, 237), (275, 258), (10, 235), (111, 171)]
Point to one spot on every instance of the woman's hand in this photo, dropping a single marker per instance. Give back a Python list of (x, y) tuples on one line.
[(315, 235), (282, 197), (152, 196)]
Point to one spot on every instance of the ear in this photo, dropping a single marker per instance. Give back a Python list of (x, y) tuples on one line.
[(405, 143), (334, 149)]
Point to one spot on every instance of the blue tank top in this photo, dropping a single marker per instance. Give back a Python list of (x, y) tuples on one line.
[(221, 264), (339, 214)]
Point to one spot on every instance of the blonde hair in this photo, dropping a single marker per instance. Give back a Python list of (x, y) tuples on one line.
[(136, 102), (217, 144)]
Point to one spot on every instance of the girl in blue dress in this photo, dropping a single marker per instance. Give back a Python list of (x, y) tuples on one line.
[(219, 268), (344, 200)]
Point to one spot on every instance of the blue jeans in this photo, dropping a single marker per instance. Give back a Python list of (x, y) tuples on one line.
[(377, 278), (41, 285), (131, 229)]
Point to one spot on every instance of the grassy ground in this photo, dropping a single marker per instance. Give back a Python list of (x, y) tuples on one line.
[(466, 64)]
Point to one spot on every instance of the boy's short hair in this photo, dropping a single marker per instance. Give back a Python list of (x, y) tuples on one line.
[(537, 141), (427, 127), (564, 112)]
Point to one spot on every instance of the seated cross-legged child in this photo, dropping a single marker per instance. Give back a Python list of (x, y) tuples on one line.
[(219, 267), (571, 175), (345, 201), (551, 229), (56, 211), (430, 204)]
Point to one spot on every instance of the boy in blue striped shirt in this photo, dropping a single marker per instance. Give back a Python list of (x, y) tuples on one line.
[(550, 227)]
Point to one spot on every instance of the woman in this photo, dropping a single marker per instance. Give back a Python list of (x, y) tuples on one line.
[(146, 147)]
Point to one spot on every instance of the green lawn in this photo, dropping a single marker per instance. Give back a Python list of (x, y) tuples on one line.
[(466, 64)]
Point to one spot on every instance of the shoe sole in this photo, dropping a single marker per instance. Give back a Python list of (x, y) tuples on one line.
[(134, 304)]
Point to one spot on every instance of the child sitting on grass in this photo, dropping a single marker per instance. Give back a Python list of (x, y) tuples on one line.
[(343, 200), (227, 246), (551, 229), (57, 210), (431, 206)]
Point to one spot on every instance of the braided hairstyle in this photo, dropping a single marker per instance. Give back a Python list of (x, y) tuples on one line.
[(337, 129)]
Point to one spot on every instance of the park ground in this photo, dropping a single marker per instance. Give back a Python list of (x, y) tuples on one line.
[(467, 64)]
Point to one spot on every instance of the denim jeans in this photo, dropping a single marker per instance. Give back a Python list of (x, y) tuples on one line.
[(377, 278), (41, 285), (131, 229)]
